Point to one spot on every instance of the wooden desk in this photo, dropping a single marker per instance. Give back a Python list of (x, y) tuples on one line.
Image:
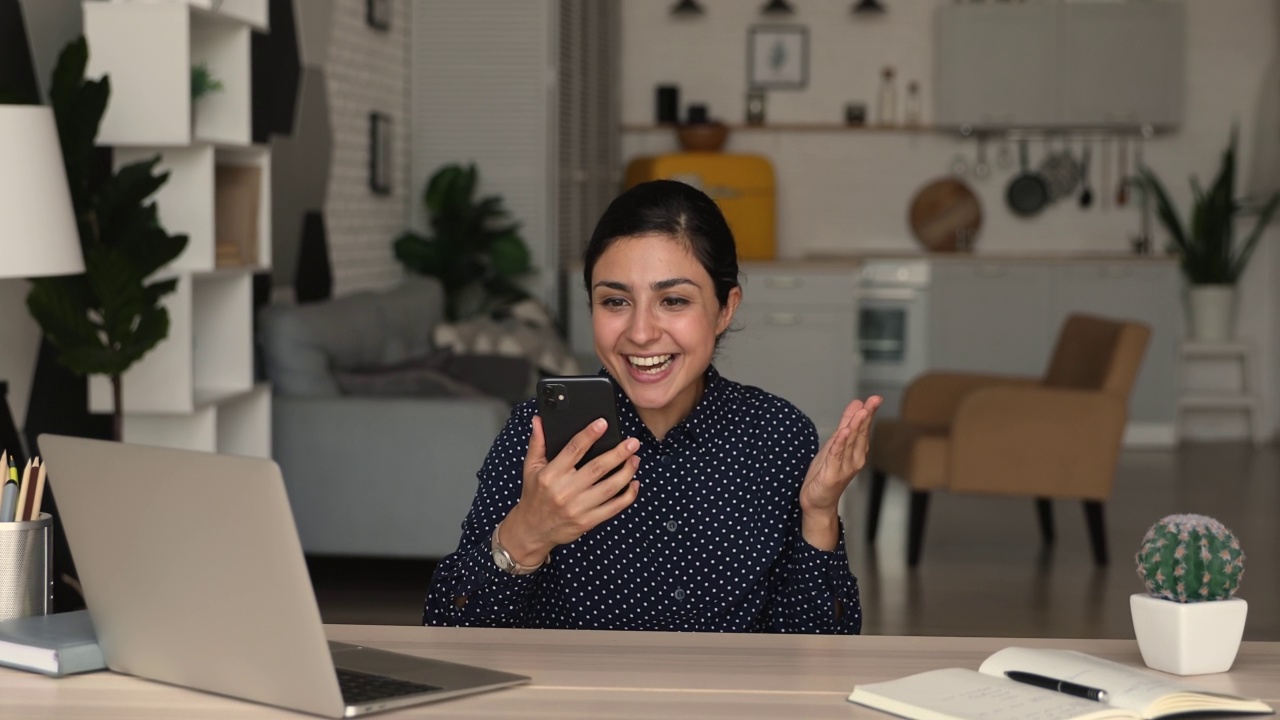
[(582, 674)]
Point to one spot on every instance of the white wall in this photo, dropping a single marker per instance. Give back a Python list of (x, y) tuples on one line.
[(849, 191), (368, 71)]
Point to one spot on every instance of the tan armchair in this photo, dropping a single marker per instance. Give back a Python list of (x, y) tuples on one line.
[(1053, 437)]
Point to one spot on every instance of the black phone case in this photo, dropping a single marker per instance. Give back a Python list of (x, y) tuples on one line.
[(569, 404)]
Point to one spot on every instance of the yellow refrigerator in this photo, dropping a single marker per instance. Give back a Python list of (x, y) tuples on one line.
[(742, 185)]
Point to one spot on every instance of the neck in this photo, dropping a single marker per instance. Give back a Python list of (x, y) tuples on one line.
[(659, 421)]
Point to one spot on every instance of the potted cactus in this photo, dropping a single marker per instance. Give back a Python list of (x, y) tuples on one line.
[(1189, 622)]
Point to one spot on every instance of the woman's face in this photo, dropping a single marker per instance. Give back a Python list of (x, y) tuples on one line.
[(655, 318)]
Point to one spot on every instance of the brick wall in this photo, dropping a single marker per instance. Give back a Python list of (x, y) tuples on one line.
[(367, 71)]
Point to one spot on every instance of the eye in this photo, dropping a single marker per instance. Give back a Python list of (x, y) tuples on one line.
[(675, 301), (612, 302)]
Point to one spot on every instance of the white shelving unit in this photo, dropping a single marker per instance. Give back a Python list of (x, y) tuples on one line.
[(195, 389), (1232, 361)]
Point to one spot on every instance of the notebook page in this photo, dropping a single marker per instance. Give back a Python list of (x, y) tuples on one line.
[(959, 693)]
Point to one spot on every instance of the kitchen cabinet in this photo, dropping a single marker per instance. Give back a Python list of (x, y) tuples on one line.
[(993, 315), (993, 63), (794, 336), (990, 317), (1061, 64)]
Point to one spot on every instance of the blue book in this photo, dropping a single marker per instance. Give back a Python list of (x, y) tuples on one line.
[(61, 644)]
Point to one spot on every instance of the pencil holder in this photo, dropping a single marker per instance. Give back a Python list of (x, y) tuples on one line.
[(26, 567)]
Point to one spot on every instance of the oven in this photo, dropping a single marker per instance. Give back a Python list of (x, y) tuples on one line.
[(893, 326)]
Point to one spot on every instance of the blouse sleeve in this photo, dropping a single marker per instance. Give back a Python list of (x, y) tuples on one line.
[(468, 588), (810, 590)]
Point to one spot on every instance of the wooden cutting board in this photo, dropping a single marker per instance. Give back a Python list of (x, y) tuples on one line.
[(945, 216)]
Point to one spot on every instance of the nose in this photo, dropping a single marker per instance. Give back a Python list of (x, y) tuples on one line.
[(644, 327)]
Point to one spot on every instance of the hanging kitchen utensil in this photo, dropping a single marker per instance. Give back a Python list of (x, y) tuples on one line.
[(1060, 171), (1122, 161), (1105, 195), (981, 170), (945, 215), (1004, 156), (1027, 193), (1086, 193)]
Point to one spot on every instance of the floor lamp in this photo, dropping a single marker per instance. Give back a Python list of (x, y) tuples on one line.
[(38, 235)]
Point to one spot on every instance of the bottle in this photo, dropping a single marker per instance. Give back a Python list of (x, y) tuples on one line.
[(887, 106), (911, 105)]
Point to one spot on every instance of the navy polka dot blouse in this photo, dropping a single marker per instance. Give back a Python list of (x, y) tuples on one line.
[(711, 544)]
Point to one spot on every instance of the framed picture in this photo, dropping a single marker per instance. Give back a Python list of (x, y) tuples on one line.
[(378, 14), (380, 153), (777, 57)]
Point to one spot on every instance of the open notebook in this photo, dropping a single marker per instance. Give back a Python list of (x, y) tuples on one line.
[(963, 694)]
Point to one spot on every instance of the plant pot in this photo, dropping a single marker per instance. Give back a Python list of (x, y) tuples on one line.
[(1188, 638), (1213, 309)]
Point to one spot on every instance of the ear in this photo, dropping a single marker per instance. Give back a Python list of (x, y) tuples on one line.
[(727, 311)]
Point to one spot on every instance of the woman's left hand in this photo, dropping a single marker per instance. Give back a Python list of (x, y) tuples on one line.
[(832, 469)]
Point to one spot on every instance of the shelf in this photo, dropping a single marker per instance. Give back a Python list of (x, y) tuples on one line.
[(189, 201), (148, 50), (1218, 402), (804, 127), (1215, 350)]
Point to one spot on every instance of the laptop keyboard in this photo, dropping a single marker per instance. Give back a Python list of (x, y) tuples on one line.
[(359, 688)]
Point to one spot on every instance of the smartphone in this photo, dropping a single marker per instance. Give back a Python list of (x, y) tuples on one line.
[(569, 404)]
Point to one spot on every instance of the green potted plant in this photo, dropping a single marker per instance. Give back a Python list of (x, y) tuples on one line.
[(473, 249), (1189, 622), (202, 81), (105, 320), (1212, 260)]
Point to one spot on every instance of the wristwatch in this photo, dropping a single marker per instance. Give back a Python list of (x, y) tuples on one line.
[(505, 562)]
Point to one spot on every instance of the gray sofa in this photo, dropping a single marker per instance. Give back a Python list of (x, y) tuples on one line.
[(371, 475)]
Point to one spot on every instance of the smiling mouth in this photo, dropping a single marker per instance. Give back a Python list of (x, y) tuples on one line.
[(651, 365)]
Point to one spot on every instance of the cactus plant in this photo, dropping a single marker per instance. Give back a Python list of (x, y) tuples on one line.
[(1189, 558)]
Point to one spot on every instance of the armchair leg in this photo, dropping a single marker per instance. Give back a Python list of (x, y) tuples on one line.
[(1097, 530), (1044, 510), (915, 528), (876, 496)]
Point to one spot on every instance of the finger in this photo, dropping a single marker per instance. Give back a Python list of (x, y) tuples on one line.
[(849, 411), (536, 456), (579, 444), (602, 491), (600, 466), (621, 502)]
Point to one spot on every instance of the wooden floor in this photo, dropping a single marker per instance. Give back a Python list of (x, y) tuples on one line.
[(983, 571)]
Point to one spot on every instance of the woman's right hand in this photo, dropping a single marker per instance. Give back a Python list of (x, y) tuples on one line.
[(558, 503)]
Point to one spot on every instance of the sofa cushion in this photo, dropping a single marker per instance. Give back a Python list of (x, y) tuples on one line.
[(525, 330), (304, 344), (443, 374)]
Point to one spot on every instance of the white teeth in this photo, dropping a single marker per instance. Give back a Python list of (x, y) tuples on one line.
[(649, 362)]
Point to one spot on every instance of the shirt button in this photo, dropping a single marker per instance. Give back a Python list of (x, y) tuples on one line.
[(667, 459), (672, 525), (679, 594)]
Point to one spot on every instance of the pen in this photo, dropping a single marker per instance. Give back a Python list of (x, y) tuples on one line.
[(9, 496), (1061, 686)]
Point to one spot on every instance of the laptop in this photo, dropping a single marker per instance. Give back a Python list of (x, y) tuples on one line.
[(194, 575)]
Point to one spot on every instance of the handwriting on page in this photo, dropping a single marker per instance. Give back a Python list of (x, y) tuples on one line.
[(1001, 702)]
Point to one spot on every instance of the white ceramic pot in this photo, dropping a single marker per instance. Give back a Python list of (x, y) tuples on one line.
[(1213, 309), (1188, 638)]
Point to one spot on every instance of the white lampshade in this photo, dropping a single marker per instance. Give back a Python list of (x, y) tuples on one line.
[(38, 233)]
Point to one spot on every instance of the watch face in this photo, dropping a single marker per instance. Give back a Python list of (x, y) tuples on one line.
[(500, 559)]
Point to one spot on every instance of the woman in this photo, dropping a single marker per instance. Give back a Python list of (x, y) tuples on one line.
[(723, 515)]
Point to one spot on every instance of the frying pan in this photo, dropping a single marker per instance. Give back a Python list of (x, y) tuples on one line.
[(1028, 192)]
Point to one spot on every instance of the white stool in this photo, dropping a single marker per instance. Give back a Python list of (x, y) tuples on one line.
[(1241, 399)]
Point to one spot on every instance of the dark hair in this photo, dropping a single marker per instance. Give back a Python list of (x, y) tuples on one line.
[(679, 211)]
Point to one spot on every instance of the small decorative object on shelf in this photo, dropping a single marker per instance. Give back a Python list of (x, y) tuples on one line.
[(667, 104), (1189, 622), (380, 153), (855, 114), (887, 105), (911, 105), (202, 81), (755, 107)]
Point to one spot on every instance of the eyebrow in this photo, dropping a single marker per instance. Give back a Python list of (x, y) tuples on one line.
[(658, 285)]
